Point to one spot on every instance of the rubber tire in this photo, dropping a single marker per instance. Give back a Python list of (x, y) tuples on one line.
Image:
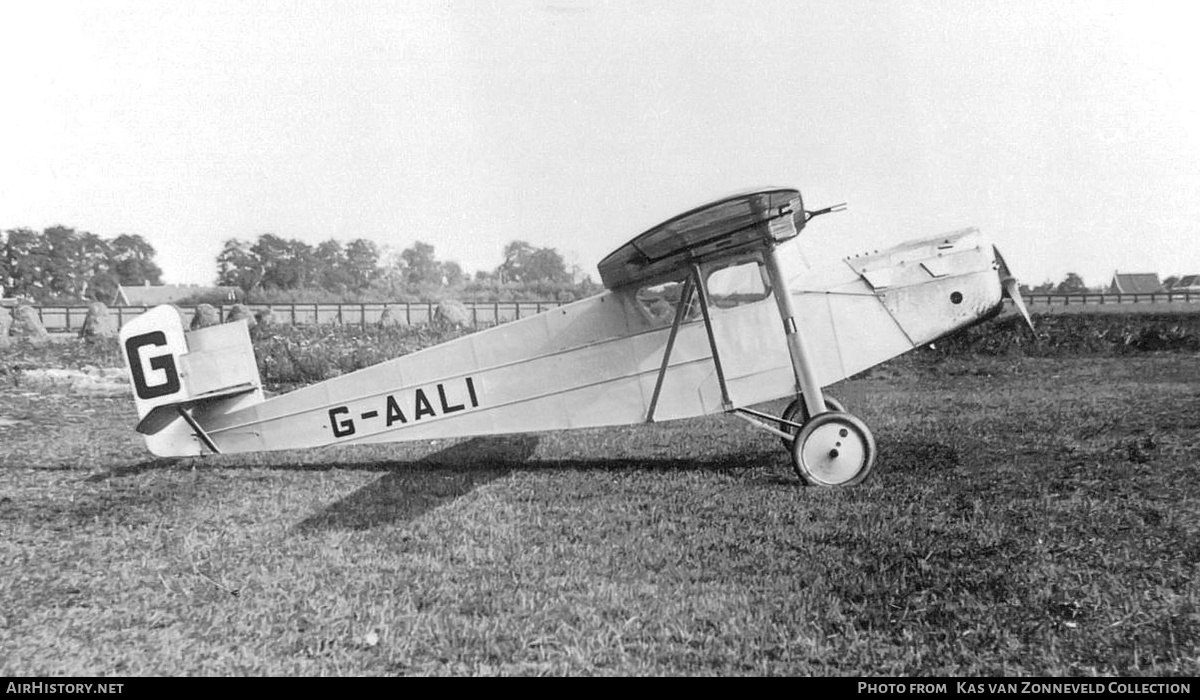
[(819, 429)]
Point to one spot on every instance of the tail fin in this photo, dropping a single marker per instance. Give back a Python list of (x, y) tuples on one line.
[(174, 371)]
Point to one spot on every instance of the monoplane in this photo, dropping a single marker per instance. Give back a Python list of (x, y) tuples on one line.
[(709, 312)]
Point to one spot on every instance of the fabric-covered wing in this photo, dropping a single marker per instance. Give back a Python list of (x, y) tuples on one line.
[(725, 227)]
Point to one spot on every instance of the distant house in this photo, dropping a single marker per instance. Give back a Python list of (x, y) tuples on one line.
[(1135, 283), (155, 294), (1187, 283)]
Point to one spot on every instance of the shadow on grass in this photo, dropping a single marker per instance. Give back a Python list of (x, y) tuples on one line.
[(134, 469), (410, 489)]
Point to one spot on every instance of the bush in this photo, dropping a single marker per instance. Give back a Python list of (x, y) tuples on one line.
[(293, 355), (1074, 335)]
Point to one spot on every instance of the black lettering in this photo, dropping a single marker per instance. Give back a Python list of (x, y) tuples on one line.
[(424, 408), (370, 414), (393, 412), (471, 391), (163, 363), (341, 428), (446, 408)]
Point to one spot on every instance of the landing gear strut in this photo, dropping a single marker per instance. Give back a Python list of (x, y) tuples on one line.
[(796, 415)]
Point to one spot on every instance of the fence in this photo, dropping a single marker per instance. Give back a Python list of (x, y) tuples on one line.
[(61, 319), (70, 318), (1032, 300)]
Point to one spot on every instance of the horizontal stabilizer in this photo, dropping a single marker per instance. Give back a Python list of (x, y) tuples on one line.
[(160, 417)]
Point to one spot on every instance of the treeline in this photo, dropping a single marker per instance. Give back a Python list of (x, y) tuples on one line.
[(1073, 284), (273, 269), (62, 265)]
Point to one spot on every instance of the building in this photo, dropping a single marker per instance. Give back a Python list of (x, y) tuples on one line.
[(1135, 283), (1188, 284), (155, 294)]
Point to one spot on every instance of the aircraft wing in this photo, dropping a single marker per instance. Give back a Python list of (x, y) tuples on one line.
[(725, 227)]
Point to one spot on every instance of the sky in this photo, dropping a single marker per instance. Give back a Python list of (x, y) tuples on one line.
[(1067, 131)]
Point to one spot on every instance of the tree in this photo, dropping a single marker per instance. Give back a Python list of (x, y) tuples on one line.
[(62, 250), (95, 279), (421, 267), (332, 272), (452, 274), (525, 263), (24, 258), (362, 263), (516, 254), (1071, 284), (286, 263), (61, 262), (237, 266), (132, 261)]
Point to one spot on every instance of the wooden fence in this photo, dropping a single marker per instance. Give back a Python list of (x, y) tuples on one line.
[(63, 319), (1032, 300), (70, 318)]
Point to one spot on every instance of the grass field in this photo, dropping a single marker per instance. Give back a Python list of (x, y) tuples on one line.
[(1026, 516)]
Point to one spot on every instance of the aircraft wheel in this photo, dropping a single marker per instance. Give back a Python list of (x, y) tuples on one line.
[(797, 408), (833, 449)]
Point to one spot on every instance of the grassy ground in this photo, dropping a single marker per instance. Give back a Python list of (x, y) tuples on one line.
[(1026, 516)]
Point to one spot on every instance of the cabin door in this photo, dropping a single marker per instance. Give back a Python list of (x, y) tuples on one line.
[(750, 345)]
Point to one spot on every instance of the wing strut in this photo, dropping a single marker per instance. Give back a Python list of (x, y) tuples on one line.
[(200, 433), (806, 377), (702, 294), (693, 285), (685, 300)]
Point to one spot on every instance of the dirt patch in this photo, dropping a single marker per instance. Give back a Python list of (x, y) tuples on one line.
[(93, 381)]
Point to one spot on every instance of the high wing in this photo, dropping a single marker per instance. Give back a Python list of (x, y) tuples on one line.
[(719, 229)]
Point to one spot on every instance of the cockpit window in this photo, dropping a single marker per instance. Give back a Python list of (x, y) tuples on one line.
[(659, 301), (743, 283), (729, 286)]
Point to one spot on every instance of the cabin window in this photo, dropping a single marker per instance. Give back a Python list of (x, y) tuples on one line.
[(738, 284), (659, 302)]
